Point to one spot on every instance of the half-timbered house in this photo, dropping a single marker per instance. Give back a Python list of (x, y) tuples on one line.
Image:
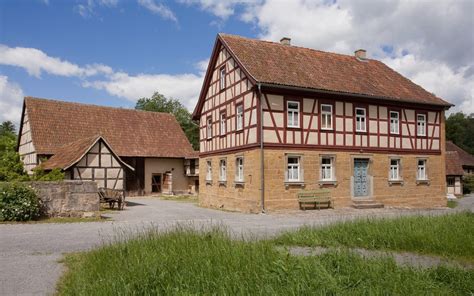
[(276, 119), (137, 151)]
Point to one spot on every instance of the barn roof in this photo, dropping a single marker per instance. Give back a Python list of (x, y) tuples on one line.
[(465, 158), (72, 153), (275, 64), (131, 133), (453, 164)]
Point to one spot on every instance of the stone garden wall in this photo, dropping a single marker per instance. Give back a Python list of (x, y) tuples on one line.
[(68, 198)]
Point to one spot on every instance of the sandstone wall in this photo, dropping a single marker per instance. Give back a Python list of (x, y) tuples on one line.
[(67, 198)]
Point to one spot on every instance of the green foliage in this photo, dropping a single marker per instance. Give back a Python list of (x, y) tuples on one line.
[(468, 184), (187, 262), (460, 130), (159, 103), (18, 202), (448, 235), (11, 166), (41, 175)]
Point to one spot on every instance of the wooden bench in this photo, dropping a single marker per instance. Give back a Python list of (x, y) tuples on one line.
[(316, 197), (112, 196)]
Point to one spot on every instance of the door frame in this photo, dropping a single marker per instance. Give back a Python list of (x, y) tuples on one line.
[(161, 182), (370, 178)]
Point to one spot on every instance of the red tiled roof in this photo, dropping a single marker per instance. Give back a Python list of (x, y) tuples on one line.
[(278, 64), (465, 158), (129, 132), (453, 164)]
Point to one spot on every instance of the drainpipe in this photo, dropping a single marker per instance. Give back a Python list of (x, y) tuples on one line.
[(262, 165)]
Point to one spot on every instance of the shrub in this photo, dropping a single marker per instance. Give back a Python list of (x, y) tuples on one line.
[(41, 175), (468, 184), (18, 202)]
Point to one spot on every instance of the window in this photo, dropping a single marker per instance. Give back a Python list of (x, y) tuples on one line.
[(421, 171), (209, 128), (421, 124), (239, 119), (293, 172), (451, 181), (326, 117), (223, 170), (394, 169), (209, 171), (360, 120), (222, 122), (239, 169), (222, 78), (327, 169), (394, 122), (293, 119)]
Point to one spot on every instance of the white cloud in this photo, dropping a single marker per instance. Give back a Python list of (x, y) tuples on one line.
[(11, 100), (35, 62), (159, 9), (430, 42), (87, 8)]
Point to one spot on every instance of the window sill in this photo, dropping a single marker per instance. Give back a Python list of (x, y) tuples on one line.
[(239, 182), (222, 183), (327, 129), (293, 127), (208, 182), (222, 136), (208, 139), (327, 182), (239, 130), (289, 184), (395, 182), (426, 182)]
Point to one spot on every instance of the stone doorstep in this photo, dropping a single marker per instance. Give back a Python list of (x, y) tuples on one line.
[(366, 204), (401, 258)]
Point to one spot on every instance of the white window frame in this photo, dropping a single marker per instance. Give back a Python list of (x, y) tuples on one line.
[(239, 169), (294, 172), (209, 170), (421, 125), (222, 74), (326, 124), (209, 128), (395, 123), (421, 170), (223, 170), (361, 120), (324, 168), (223, 121), (239, 117), (394, 170), (292, 114)]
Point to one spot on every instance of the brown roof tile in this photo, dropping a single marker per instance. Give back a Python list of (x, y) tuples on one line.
[(277, 64), (453, 164), (133, 133), (465, 158)]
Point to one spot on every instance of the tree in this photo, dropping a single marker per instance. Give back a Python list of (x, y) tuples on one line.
[(460, 130), (159, 103), (11, 166), (7, 127)]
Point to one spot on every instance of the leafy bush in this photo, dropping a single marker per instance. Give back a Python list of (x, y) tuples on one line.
[(18, 202), (41, 175), (468, 184)]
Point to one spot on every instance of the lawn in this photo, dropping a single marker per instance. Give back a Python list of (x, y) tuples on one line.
[(58, 220), (448, 235), (187, 262)]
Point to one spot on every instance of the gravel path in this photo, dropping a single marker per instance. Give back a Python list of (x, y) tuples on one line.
[(29, 253)]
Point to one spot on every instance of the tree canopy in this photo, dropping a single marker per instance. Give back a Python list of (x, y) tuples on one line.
[(11, 166), (159, 103), (460, 130)]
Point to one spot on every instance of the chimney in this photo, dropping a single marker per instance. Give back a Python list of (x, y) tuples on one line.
[(285, 41), (360, 54)]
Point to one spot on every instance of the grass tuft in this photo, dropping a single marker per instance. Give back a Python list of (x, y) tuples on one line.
[(448, 235), (187, 262)]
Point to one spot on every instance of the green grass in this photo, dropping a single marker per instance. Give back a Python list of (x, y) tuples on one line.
[(448, 235), (58, 220), (185, 262), (452, 204), (183, 198)]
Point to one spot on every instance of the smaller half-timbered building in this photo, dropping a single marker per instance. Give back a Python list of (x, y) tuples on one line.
[(136, 151), (276, 119)]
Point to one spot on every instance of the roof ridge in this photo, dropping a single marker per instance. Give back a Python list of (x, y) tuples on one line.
[(294, 46), (94, 105)]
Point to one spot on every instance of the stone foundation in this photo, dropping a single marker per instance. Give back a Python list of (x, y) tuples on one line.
[(280, 196), (68, 198)]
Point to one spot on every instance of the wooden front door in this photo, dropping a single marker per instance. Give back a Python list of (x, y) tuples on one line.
[(361, 178), (156, 183)]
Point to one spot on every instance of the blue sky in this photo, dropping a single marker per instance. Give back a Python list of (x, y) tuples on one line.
[(112, 52)]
